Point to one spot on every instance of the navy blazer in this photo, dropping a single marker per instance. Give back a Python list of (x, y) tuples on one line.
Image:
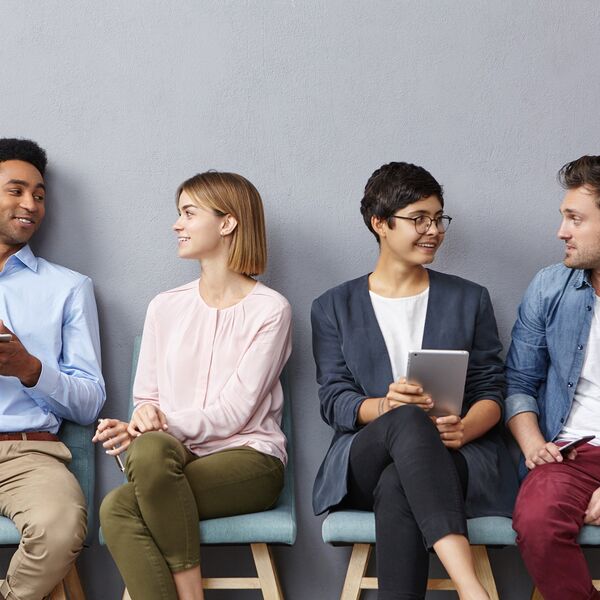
[(353, 364)]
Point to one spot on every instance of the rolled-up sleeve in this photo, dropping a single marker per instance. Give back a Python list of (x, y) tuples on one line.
[(527, 359)]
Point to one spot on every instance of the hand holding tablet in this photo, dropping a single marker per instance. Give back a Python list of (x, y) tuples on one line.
[(442, 375)]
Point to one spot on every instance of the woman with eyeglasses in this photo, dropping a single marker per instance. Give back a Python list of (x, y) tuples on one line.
[(204, 440), (421, 475)]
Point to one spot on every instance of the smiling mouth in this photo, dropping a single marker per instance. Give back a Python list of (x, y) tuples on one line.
[(427, 245), (180, 240), (25, 220)]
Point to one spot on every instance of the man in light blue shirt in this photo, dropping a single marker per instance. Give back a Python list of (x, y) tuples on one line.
[(553, 396), (49, 371)]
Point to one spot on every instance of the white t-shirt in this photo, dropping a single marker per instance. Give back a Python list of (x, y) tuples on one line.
[(402, 322), (584, 418)]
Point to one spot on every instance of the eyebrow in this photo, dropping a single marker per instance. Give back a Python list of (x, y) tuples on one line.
[(186, 207), (568, 211), (424, 212), (24, 183)]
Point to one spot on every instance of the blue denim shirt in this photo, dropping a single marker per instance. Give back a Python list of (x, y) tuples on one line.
[(548, 346)]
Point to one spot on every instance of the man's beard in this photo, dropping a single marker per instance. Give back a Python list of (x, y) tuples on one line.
[(584, 259)]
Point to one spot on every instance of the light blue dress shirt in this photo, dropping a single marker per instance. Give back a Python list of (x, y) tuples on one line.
[(549, 339), (52, 310)]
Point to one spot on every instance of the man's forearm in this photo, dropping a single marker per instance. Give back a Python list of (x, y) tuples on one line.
[(78, 398), (526, 430)]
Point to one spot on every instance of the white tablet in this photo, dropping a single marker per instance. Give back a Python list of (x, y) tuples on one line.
[(442, 375)]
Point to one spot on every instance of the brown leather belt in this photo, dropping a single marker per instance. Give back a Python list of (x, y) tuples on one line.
[(29, 436)]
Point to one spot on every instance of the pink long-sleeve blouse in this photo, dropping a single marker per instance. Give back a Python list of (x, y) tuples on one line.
[(215, 372)]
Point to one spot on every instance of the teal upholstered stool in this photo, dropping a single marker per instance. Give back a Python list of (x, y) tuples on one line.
[(357, 529), (78, 439), (259, 530)]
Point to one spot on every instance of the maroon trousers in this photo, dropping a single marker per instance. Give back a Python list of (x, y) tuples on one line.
[(548, 516)]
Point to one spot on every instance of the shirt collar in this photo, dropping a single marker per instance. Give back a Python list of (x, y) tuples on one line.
[(582, 279), (27, 257)]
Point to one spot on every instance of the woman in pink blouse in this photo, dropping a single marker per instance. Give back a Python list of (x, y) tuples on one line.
[(204, 440)]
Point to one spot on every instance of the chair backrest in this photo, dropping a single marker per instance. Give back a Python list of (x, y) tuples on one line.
[(78, 438), (287, 499), (134, 361)]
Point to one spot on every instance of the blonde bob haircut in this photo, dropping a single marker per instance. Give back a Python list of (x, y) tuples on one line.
[(232, 194)]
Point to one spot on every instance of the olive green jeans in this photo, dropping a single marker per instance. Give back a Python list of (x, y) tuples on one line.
[(150, 524)]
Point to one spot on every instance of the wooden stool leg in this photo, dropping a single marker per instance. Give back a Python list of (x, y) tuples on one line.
[(483, 569), (267, 573), (357, 567), (73, 585)]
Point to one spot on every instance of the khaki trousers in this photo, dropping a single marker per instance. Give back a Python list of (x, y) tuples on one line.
[(44, 500)]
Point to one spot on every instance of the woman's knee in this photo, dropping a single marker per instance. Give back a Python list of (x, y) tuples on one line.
[(409, 419), (149, 451)]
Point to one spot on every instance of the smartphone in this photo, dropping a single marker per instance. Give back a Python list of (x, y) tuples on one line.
[(564, 450), (5, 337)]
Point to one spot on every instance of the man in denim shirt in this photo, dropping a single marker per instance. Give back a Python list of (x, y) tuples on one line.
[(553, 376)]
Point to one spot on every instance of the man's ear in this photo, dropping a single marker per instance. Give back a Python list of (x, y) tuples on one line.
[(228, 225), (379, 226)]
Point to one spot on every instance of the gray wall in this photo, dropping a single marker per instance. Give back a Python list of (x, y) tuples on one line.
[(306, 99)]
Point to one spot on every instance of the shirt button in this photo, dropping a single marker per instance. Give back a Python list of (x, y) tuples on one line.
[(562, 420), (580, 347), (589, 307), (570, 384)]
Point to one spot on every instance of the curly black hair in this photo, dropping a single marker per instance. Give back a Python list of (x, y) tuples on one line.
[(394, 186), (25, 150)]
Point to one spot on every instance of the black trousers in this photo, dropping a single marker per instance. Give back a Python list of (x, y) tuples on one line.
[(400, 469)]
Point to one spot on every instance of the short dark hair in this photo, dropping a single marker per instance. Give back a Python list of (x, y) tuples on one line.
[(584, 171), (394, 186), (25, 150)]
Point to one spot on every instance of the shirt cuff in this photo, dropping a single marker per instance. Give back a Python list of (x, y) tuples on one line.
[(355, 424), (46, 384), (519, 403)]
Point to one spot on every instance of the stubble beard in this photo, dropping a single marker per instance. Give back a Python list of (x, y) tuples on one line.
[(585, 259)]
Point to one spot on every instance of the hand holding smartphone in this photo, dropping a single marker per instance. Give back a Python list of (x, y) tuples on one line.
[(564, 450)]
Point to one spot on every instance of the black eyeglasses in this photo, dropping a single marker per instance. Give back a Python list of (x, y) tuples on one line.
[(423, 222)]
